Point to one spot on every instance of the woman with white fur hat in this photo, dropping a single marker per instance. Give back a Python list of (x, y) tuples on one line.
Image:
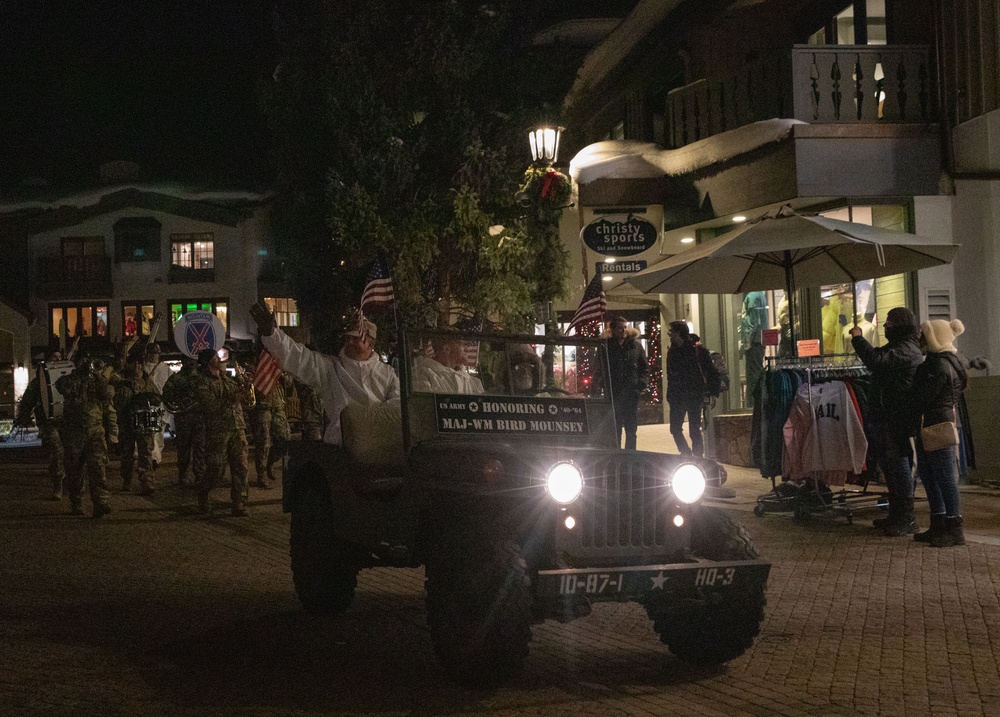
[(937, 385)]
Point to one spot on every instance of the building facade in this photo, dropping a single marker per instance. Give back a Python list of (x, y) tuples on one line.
[(879, 112), (101, 265)]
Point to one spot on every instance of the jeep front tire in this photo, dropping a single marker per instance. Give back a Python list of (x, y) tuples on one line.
[(721, 626)]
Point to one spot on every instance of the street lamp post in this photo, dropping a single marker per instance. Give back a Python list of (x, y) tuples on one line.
[(544, 143)]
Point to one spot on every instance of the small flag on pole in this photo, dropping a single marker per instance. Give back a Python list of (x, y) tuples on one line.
[(266, 374), (378, 290), (592, 307)]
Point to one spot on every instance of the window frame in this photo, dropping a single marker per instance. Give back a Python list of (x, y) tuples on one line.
[(130, 232), (95, 309), (139, 306)]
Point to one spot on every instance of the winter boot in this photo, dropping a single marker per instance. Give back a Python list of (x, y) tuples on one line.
[(890, 516), (101, 510), (239, 509), (951, 535), (904, 523), (937, 526)]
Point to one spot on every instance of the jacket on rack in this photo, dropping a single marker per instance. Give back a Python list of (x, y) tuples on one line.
[(824, 435)]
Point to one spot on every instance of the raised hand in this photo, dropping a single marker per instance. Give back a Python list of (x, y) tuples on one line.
[(264, 318)]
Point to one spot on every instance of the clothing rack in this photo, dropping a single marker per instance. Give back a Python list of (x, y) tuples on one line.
[(825, 367), (812, 496)]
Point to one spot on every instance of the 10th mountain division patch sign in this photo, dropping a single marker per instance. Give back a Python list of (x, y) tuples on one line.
[(199, 330)]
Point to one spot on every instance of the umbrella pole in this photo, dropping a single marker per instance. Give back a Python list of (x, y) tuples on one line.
[(789, 293), (854, 303)]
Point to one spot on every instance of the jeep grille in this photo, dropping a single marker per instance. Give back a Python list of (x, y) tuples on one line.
[(627, 506)]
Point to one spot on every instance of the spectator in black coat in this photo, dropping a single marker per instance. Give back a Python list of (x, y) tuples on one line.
[(690, 374), (893, 417), (629, 372)]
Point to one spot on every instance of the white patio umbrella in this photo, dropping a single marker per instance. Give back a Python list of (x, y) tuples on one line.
[(785, 250)]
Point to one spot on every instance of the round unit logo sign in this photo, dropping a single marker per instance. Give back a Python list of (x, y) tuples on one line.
[(619, 235), (198, 330)]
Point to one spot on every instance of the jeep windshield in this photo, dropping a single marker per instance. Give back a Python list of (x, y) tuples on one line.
[(486, 386)]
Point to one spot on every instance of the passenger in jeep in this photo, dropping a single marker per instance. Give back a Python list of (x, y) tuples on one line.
[(356, 375), (443, 369)]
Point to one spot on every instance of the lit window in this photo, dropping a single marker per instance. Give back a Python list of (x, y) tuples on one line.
[(286, 311), (193, 251)]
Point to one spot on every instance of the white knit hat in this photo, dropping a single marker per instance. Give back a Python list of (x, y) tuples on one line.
[(940, 335)]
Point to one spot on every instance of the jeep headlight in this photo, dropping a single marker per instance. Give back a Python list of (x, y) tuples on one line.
[(564, 482), (688, 483)]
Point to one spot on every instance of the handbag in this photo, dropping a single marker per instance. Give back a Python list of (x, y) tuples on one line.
[(938, 436)]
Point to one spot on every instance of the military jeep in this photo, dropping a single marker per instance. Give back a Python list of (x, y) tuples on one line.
[(501, 474)]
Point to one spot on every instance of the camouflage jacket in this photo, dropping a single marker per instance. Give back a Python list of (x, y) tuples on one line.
[(179, 390), (279, 416), (132, 395), (310, 405), (217, 401), (88, 408)]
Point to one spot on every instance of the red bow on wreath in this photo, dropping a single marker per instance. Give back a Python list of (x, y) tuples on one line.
[(550, 184)]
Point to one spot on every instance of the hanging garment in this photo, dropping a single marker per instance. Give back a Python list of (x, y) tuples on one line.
[(824, 436)]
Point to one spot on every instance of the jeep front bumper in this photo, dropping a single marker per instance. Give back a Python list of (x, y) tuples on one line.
[(652, 582)]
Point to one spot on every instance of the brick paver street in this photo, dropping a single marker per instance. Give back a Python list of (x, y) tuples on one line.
[(156, 610)]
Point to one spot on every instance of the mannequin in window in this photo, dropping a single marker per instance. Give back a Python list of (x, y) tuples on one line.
[(130, 327), (753, 321), (784, 328), (868, 330), (831, 313)]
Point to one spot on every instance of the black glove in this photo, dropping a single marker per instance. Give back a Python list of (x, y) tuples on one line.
[(264, 318)]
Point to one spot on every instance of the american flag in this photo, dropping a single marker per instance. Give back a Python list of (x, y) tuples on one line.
[(378, 290), (592, 305), (266, 374)]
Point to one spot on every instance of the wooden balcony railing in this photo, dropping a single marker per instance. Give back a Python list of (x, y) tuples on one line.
[(80, 276), (844, 84)]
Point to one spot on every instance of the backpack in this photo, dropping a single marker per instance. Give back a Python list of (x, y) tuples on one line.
[(718, 381)]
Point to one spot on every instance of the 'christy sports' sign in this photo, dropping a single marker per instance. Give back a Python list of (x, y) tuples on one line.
[(507, 415), (619, 235)]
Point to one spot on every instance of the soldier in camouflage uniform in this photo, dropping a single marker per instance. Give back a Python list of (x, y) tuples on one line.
[(48, 430), (90, 425), (269, 422), (178, 396), (134, 391), (218, 400), (311, 412)]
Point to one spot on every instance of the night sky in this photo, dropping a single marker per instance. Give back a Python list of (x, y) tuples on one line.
[(172, 85)]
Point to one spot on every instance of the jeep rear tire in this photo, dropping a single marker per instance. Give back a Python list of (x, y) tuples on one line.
[(479, 610), (707, 632), (323, 570)]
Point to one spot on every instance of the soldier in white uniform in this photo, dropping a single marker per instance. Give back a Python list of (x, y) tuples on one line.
[(355, 375)]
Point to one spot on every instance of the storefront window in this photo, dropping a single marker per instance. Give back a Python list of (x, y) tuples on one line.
[(78, 320), (868, 301), (137, 317)]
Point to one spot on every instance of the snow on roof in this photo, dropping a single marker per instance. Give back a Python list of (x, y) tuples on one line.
[(91, 197), (628, 159)]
